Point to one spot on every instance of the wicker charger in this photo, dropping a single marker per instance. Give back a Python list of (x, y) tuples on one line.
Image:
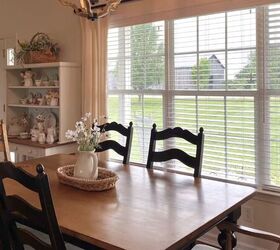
[(106, 179)]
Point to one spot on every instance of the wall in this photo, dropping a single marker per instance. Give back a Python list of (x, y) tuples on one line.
[(22, 19), (263, 214), (25, 18)]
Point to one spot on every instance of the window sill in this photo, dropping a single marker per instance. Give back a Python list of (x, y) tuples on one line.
[(268, 196)]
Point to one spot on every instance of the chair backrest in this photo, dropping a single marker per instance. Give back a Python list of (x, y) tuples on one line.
[(175, 153), (4, 145), (117, 147), (15, 209)]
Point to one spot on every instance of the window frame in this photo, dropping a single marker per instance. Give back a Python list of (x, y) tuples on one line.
[(261, 94)]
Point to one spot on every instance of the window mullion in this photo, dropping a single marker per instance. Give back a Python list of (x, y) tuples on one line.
[(260, 108), (168, 98), (122, 74), (197, 74), (225, 98), (197, 54)]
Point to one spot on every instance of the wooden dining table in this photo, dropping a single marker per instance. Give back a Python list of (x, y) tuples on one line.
[(148, 208)]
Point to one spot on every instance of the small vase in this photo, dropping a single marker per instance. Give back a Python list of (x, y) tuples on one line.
[(50, 136), (41, 138), (34, 134), (40, 126), (86, 165)]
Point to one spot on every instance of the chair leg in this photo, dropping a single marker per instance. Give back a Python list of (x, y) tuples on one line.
[(229, 240)]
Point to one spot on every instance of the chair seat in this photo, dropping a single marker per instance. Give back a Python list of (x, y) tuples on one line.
[(203, 247)]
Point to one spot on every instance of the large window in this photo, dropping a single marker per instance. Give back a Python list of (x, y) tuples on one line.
[(220, 72)]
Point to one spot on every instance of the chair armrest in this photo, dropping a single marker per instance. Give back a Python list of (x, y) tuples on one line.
[(251, 232)]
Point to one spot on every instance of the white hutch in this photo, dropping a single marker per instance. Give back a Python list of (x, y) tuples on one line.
[(62, 78)]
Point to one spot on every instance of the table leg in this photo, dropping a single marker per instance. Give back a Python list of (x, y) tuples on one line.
[(227, 239)]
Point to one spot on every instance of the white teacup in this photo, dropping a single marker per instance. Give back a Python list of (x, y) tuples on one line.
[(38, 82), (23, 135), (23, 101)]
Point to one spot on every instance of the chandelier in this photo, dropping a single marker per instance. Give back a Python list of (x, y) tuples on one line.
[(92, 9)]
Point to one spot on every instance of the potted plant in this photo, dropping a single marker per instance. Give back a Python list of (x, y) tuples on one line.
[(40, 49)]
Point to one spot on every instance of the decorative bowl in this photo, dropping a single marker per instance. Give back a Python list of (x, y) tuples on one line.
[(23, 101), (106, 179)]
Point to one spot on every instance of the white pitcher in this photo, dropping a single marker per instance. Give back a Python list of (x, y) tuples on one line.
[(86, 165)]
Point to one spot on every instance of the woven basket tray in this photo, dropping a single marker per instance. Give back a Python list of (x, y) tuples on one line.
[(106, 179)]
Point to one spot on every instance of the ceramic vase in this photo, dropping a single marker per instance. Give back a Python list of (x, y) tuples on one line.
[(40, 127), (54, 102), (28, 82), (41, 138), (50, 136), (34, 134), (86, 165)]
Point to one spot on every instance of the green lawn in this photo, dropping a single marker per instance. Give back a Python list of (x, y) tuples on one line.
[(233, 117)]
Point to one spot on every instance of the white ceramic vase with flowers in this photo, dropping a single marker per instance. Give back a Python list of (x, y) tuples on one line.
[(87, 138)]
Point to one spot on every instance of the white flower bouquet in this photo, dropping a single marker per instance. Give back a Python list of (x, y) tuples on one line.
[(86, 135)]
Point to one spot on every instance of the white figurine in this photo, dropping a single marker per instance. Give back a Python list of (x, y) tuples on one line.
[(27, 78), (50, 136)]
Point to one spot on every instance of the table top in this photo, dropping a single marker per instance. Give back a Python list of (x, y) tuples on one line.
[(148, 209)]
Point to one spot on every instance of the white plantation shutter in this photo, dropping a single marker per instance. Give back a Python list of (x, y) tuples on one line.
[(203, 72), (136, 81), (212, 54)]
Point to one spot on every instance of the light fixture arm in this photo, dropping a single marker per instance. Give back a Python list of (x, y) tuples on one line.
[(69, 4), (91, 9), (110, 7)]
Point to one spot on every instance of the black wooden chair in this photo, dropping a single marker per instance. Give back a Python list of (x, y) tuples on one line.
[(230, 228), (4, 145), (175, 153), (15, 210), (117, 147)]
